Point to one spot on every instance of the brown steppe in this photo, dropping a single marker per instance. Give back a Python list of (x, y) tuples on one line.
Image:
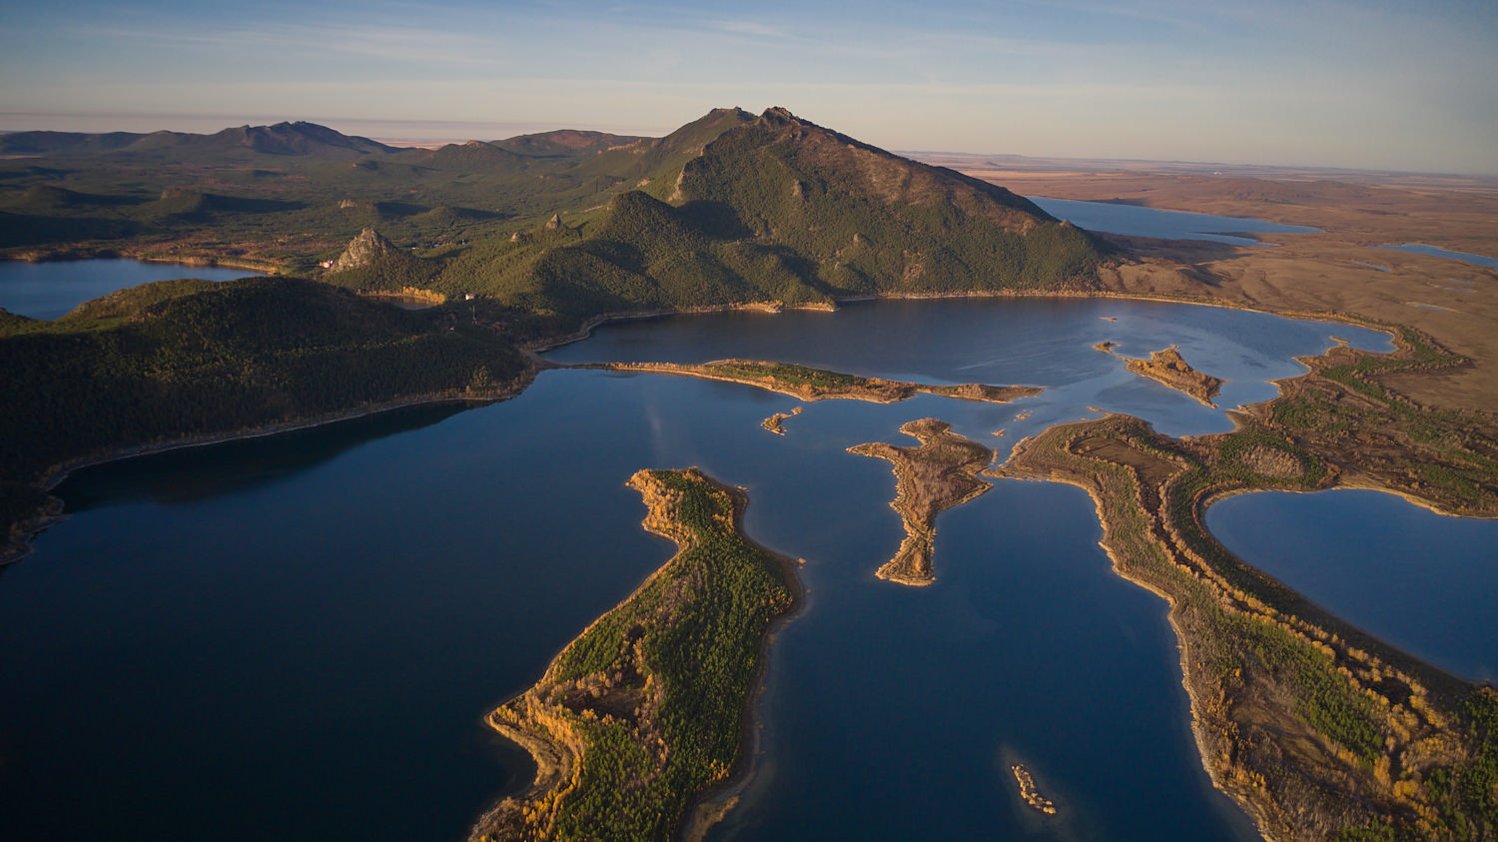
[(1339, 271)]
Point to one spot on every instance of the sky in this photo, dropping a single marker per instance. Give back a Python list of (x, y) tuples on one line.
[(1373, 84)]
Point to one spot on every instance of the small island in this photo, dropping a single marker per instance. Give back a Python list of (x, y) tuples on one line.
[(647, 708), (1029, 792), (815, 384), (1169, 368), (773, 423), (938, 475)]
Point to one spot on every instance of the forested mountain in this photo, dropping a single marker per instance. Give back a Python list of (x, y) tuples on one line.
[(734, 209), (730, 208)]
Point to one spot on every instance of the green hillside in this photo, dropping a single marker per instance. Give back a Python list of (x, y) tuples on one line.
[(730, 208), (738, 209), (180, 359)]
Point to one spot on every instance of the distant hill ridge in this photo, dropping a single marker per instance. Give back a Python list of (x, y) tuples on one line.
[(296, 138), (559, 227), (299, 138)]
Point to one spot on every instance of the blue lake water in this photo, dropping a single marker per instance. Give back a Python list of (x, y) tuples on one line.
[(1420, 248), (50, 289), (1400, 572), (1137, 221), (296, 637)]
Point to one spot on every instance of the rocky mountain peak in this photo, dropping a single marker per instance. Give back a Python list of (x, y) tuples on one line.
[(366, 249)]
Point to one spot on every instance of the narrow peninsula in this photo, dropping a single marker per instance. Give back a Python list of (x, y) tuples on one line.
[(815, 384), (1318, 729), (938, 475), (648, 707)]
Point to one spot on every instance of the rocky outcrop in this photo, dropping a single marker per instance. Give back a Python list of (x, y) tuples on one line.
[(774, 422), (1029, 792), (367, 249)]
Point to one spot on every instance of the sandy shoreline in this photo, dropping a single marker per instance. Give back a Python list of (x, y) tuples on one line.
[(714, 804), (1260, 819)]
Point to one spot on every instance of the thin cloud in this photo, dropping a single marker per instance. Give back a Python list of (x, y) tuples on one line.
[(745, 27)]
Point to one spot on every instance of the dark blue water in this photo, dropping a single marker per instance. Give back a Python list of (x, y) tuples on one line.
[(1420, 248), (1420, 581), (48, 290), (1044, 342), (296, 637), (1137, 221)]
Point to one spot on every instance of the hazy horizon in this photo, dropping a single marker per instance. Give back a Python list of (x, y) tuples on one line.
[(1374, 86), (395, 132)]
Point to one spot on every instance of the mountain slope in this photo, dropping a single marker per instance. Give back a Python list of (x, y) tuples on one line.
[(567, 143), (736, 209)]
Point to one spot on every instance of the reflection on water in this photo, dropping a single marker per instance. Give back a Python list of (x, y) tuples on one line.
[(1403, 573), (182, 476)]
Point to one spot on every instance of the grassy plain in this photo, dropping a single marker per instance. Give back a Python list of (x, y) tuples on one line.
[(1338, 272)]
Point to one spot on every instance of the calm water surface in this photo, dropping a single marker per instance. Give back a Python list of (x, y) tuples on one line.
[(1401, 572), (1420, 248), (1137, 221), (48, 290), (296, 637)]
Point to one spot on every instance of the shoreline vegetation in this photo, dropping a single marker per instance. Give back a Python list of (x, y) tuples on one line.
[(649, 709), (1314, 727), (940, 474), (815, 384)]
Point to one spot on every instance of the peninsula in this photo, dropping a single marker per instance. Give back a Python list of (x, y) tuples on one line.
[(815, 384), (649, 706), (1315, 727), (939, 474)]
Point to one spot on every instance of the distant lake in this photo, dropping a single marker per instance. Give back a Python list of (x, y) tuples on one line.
[(1400, 572), (1420, 248), (1138, 221), (51, 288), (297, 637)]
